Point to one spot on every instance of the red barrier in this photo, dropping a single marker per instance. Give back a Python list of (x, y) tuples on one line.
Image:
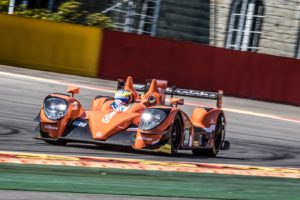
[(195, 66)]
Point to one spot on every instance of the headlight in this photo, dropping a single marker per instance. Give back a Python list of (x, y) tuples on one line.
[(55, 108), (151, 118)]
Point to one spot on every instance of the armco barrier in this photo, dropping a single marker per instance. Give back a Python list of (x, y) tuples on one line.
[(51, 46), (194, 66)]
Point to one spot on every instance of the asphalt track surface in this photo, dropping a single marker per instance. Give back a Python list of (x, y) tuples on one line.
[(28, 195), (261, 133)]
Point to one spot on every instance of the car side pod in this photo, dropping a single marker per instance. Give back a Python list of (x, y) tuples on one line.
[(226, 145)]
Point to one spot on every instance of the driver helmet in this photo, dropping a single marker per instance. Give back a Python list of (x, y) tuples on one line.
[(123, 97)]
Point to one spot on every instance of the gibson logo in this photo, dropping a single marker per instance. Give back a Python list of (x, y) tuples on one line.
[(51, 127)]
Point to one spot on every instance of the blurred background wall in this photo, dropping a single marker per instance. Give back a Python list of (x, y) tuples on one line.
[(262, 26), (50, 46)]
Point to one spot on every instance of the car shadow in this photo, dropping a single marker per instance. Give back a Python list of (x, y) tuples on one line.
[(183, 154)]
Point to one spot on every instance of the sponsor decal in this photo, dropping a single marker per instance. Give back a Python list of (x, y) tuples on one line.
[(99, 134), (210, 129), (132, 129), (186, 137), (79, 124), (51, 127), (195, 93), (144, 138), (148, 139), (106, 119), (139, 87), (117, 106), (184, 92)]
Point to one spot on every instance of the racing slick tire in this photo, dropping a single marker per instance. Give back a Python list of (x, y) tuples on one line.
[(218, 139), (175, 135)]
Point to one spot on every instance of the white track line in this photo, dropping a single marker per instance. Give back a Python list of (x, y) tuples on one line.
[(46, 80)]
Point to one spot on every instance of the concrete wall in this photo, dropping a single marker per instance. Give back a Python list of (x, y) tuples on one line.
[(219, 14), (280, 26), (184, 20)]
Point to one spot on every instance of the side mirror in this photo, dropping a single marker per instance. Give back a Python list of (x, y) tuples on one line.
[(173, 88), (73, 90), (175, 101)]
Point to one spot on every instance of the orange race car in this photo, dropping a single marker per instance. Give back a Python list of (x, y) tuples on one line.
[(138, 121)]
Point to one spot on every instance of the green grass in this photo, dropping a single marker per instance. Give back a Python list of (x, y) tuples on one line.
[(145, 183)]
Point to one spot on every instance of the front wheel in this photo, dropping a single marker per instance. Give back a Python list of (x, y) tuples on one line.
[(217, 140), (175, 135)]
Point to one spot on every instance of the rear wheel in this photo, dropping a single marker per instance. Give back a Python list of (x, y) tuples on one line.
[(218, 139), (175, 135)]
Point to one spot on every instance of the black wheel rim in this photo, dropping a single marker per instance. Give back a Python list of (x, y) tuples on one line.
[(219, 134), (175, 135)]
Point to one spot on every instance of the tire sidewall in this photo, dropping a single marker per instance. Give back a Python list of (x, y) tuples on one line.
[(178, 125), (220, 125)]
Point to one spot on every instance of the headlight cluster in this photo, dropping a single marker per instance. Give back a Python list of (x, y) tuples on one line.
[(55, 108), (151, 118)]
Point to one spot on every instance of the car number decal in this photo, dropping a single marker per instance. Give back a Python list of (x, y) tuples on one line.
[(106, 119), (79, 124)]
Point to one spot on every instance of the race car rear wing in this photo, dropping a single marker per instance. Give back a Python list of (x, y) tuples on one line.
[(181, 92), (187, 92)]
